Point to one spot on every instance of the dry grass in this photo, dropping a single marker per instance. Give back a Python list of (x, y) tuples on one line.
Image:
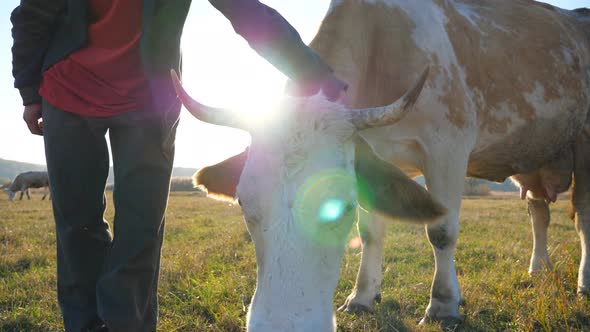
[(208, 271)]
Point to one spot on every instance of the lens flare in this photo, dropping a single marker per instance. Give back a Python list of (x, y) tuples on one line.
[(331, 210), (355, 243), (324, 207)]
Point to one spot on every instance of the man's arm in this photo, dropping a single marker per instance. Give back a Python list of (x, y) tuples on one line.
[(32, 25), (271, 36)]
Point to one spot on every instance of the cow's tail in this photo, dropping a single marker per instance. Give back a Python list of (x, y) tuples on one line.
[(571, 211)]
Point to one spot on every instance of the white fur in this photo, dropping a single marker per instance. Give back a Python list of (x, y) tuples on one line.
[(313, 137)]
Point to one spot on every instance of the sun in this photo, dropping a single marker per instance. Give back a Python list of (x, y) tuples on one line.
[(255, 102), (229, 76), (221, 70), (232, 76)]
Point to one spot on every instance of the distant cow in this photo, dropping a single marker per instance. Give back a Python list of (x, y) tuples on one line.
[(27, 180)]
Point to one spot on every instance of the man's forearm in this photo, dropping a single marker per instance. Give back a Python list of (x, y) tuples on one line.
[(32, 23), (269, 34)]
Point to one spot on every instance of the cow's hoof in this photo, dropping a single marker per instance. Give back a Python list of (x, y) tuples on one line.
[(378, 298), (358, 308), (535, 273), (446, 323), (355, 309), (540, 270)]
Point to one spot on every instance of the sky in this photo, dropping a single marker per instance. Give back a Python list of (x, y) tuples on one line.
[(219, 69)]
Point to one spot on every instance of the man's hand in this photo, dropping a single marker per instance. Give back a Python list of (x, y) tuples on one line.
[(32, 116), (333, 88)]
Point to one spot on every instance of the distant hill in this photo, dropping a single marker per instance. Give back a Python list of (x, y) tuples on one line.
[(507, 185), (183, 171), (176, 172), (494, 186), (9, 169)]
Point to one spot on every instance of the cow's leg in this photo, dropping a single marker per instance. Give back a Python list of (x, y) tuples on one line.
[(540, 218), (445, 176), (28, 194), (581, 207), (368, 282), (21, 195)]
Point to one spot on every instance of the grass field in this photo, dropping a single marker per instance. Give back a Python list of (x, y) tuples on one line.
[(208, 271)]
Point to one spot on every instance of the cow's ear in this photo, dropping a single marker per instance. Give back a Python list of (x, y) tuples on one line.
[(220, 180), (385, 189)]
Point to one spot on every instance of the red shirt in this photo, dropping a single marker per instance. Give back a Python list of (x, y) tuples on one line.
[(104, 78)]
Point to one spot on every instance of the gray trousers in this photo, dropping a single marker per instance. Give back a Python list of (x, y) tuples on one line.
[(101, 277)]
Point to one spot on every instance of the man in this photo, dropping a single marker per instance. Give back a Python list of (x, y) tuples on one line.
[(88, 67)]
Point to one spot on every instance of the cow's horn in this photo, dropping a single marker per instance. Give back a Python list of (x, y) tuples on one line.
[(212, 115), (392, 113)]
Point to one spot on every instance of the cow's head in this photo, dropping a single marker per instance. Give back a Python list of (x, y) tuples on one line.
[(9, 192), (299, 194)]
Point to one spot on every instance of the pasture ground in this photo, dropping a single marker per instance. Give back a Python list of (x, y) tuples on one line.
[(208, 270)]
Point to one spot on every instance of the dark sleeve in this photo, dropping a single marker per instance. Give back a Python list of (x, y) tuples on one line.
[(32, 24), (271, 36)]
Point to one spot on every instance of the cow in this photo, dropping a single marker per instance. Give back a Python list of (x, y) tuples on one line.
[(299, 192), (508, 94), (26, 180)]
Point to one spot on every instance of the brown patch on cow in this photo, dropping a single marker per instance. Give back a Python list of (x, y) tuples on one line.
[(220, 180), (516, 40), (454, 92), (372, 40), (519, 153), (454, 99)]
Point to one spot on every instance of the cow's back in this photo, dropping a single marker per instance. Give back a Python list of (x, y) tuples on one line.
[(29, 180), (512, 72)]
